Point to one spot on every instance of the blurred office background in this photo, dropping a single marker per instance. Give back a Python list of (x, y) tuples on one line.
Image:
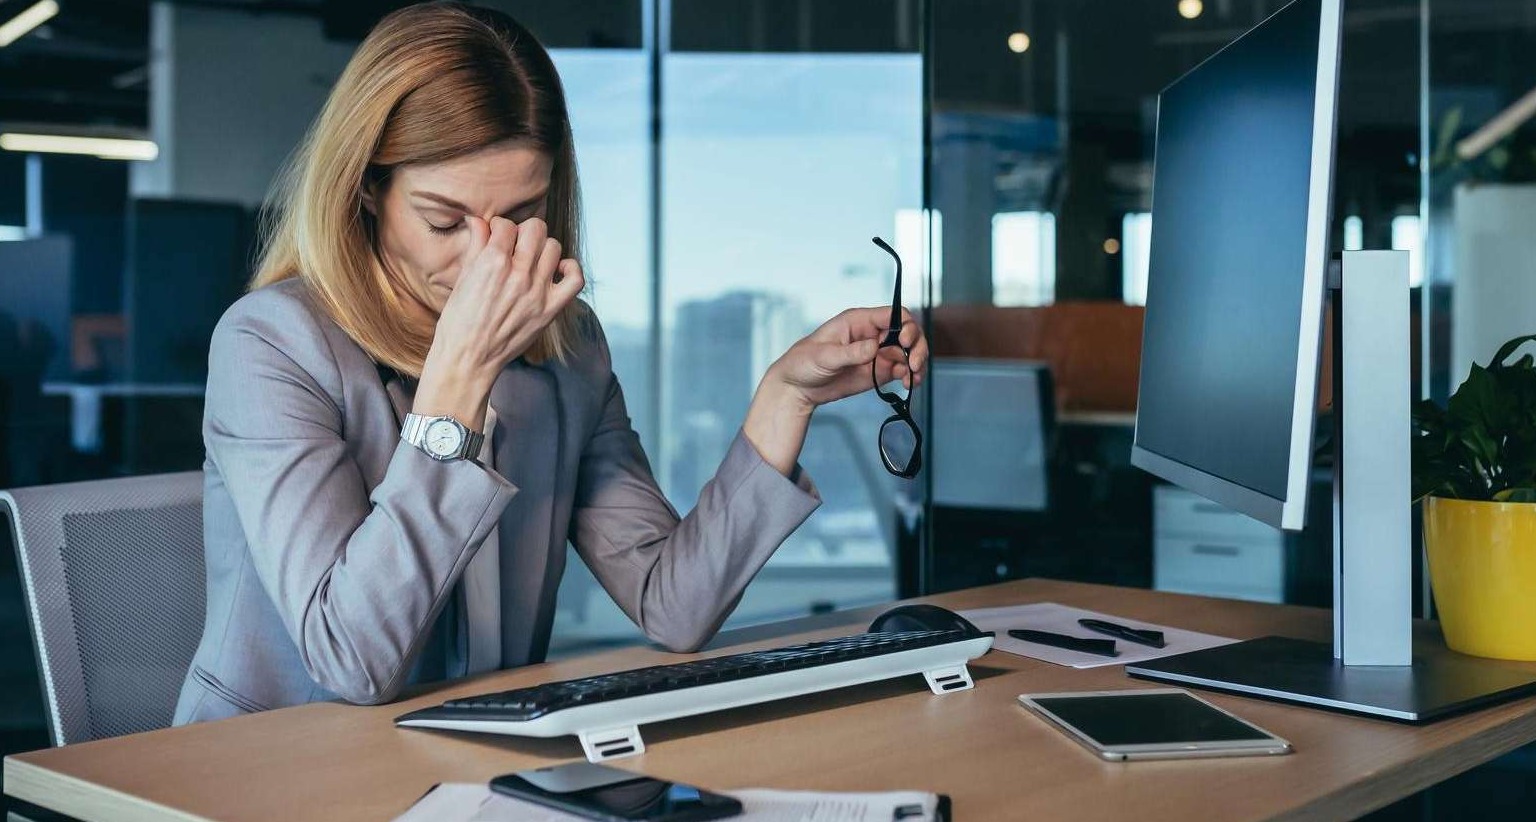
[(737, 155)]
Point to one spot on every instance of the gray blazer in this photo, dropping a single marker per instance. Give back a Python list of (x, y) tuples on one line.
[(335, 550)]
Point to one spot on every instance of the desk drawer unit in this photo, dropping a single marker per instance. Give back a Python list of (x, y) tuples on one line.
[(1200, 547)]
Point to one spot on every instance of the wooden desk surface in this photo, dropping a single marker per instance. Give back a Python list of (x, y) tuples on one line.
[(339, 762)]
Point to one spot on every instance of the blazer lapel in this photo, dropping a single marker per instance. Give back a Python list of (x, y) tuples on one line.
[(401, 397), (527, 449)]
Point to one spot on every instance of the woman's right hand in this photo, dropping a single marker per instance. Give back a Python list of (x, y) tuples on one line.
[(512, 284)]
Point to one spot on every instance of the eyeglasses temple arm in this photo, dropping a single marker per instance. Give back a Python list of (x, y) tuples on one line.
[(893, 331)]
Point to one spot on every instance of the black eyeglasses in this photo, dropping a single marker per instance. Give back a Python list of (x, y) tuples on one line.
[(901, 444)]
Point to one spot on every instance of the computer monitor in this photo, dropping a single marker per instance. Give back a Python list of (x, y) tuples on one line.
[(992, 421), (187, 262), (1239, 270), (35, 282), (1241, 190)]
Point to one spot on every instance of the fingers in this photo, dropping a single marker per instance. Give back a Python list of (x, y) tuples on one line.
[(869, 322), (888, 372), (566, 288), (502, 239), (479, 235), (531, 235), (861, 352), (910, 331), (547, 268), (917, 344)]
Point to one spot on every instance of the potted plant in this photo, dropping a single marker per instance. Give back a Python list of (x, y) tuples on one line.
[(1474, 467)]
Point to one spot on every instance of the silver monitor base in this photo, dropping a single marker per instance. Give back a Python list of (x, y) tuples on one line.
[(1439, 683)]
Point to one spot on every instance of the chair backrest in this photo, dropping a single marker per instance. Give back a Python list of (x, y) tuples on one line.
[(113, 576), (992, 424)]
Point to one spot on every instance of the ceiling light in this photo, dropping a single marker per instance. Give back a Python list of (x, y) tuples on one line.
[(107, 148), (1018, 42), (18, 26), (1111, 246), (1190, 9)]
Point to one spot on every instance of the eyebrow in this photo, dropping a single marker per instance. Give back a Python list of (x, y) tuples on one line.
[(449, 202)]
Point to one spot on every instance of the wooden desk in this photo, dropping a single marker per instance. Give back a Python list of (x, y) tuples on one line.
[(338, 762)]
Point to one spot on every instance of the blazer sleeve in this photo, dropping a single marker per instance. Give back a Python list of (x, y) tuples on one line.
[(678, 579), (357, 577)]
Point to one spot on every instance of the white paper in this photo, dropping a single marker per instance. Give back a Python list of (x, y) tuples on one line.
[(468, 802), (810, 806), (1062, 619)]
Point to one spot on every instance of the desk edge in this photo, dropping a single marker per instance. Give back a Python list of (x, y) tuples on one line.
[(1383, 788), (82, 799)]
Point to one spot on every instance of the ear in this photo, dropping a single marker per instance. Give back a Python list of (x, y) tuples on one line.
[(369, 196)]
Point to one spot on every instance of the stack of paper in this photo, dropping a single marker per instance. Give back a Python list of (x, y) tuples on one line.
[(1062, 619)]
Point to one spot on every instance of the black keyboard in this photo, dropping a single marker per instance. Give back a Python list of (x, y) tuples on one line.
[(523, 704)]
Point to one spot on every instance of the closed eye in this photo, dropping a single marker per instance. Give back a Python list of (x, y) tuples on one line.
[(441, 229)]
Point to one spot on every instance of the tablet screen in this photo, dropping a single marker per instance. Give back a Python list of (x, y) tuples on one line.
[(1147, 719)]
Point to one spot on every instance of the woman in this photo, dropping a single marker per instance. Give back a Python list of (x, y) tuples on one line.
[(411, 412)]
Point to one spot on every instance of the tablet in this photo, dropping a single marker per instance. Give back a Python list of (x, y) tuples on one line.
[(1162, 723)]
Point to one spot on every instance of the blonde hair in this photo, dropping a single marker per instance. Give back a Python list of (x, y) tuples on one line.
[(430, 83)]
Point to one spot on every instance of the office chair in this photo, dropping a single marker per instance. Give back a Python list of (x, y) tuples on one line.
[(993, 428), (112, 572)]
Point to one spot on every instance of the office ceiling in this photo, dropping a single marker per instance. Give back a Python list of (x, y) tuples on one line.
[(88, 65)]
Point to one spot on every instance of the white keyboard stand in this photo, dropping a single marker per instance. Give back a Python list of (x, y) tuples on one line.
[(611, 729)]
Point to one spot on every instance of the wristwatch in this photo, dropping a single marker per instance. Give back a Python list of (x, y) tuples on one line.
[(441, 438)]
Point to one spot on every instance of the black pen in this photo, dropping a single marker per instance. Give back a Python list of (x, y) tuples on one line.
[(1101, 647), (1140, 636)]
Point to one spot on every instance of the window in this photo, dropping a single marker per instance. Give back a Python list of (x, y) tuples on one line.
[(911, 243), (1024, 258), (1407, 237), (1354, 233), (1136, 254)]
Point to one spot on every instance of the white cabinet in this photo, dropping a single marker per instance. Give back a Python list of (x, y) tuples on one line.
[(1495, 292), (1200, 547)]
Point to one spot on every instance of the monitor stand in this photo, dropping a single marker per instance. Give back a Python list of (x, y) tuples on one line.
[(1439, 683), (1372, 666)]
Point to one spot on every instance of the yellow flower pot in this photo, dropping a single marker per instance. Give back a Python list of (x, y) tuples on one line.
[(1482, 565)]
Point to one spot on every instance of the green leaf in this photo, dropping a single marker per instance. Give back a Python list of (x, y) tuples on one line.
[(1482, 444), (1509, 348), (1498, 158), (1445, 139)]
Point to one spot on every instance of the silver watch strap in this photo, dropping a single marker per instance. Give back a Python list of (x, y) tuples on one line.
[(414, 428), (473, 441), (410, 430)]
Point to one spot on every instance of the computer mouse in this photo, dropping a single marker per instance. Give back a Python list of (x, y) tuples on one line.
[(920, 617)]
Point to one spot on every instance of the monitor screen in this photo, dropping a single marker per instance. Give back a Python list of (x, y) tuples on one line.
[(189, 261), (35, 277), (1235, 208)]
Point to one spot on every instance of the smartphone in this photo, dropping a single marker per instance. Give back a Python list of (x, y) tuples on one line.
[(1162, 723), (600, 792)]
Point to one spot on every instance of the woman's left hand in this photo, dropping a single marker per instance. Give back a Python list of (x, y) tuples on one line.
[(834, 361), (830, 364)]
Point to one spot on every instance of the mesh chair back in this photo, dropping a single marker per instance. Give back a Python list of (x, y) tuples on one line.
[(113, 576)]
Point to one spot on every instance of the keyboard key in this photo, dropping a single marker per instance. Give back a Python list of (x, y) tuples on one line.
[(529, 703)]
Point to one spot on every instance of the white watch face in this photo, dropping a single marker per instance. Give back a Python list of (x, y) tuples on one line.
[(443, 438)]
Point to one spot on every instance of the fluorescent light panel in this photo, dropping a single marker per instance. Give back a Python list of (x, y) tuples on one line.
[(109, 148), (35, 15)]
